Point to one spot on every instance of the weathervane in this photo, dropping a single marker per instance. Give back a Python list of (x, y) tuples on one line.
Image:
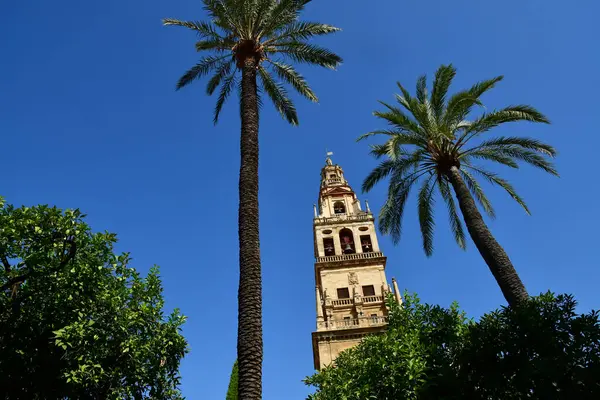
[(328, 159)]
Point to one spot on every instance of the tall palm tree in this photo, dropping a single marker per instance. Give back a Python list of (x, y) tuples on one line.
[(249, 42), (432, 140)]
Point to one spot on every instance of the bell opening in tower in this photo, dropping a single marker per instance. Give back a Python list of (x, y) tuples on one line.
[(347, 241), (339, 207), (365, 243), (329, 247)]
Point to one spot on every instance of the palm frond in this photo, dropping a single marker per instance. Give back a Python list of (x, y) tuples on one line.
[(406, 99), (422, 89), (496, 180), (493, 119), (507, 114), (393, 148), (480, 88), (460, 105), (378, 150), (455, 224), (426, 221), (403, 138), (221, 16), (490, 155), (218, 45), (390, 216), (377, 174), (441, 83), (199, 70), (478, 193), (526, 143), (282, 13), (301, 30), (223, 71), (528, 156), (223, 95), (397, 118), (261, 12), (278, 96), (288, 74), (203, 29), (307, 54)]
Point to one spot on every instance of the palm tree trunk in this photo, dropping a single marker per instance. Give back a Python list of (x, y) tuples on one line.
[(493, 254), (250, 344)]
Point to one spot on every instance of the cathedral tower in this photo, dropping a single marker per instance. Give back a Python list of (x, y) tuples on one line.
[(349, 269)]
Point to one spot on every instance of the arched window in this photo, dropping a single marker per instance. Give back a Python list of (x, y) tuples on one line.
[(339, 207), (347, 241)]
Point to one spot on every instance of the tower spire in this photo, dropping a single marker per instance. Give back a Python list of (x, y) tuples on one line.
[(349, 269)]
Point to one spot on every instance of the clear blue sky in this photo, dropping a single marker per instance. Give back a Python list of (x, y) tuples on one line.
[(89, 118)]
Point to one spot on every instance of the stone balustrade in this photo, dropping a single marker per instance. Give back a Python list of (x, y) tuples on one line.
[(372, 299), (352, 323), (345, 257), (344, 217), (334, 181), (341, 302)]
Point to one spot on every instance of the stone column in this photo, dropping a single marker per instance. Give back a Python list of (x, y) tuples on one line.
[(319, 307), (356, 237), (337, 245), (396, 291), (384, 285)]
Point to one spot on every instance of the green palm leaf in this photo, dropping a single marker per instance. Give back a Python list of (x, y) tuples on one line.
[(223, 71), (223, 95), (455, 224), (422, 89), (478, 193), (278, 96), (426, 221), (390, 216), (398, 119), (491, 155), (508, 114), (204, 29), (380, 172), (302, 31), (496, 180), (288, 74), (307, 54), (526, 143), (443, 78), (461, 104), (199, 70)]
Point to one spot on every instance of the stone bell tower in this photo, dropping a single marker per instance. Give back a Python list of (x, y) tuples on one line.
[(349, 269)]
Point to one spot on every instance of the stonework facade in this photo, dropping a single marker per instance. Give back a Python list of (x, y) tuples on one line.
[(349, 269)]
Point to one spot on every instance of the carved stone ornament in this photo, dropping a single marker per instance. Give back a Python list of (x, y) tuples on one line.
[(352, 278)]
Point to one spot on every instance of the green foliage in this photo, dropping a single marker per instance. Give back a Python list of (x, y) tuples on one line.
[(232, 390), (540, 350), (266, 31), (396, 364), (430, 134), (75, 320)]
